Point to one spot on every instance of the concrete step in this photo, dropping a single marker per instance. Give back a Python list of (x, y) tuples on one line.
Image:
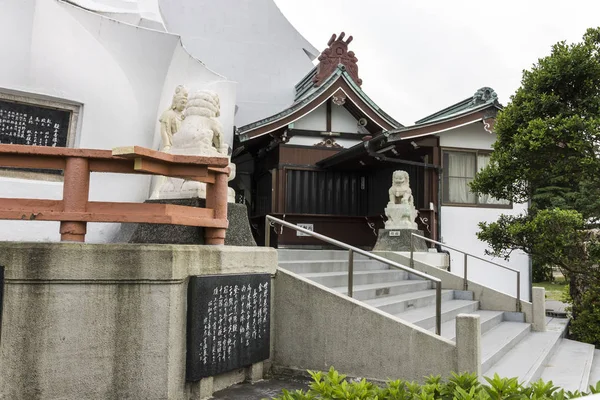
[(499, 340), (376, 290), (526, 360), (488, 319), (333, 279), (595, 372), (569, 367), (310, 266), (408, 301), (425, 316), (303, 255)]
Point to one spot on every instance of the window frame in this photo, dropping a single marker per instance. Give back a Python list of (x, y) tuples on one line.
[(445, 177)]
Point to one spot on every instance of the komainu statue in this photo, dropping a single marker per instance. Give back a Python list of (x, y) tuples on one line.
[(401, 211), (400, 188), (200, 134), (170, 120)]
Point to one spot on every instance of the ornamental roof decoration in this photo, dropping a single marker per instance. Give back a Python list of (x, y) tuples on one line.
[(483, 96), (337, 54)]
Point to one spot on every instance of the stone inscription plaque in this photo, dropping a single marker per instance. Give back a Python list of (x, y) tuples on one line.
[(228, 323), (33, 125), (1, 295)]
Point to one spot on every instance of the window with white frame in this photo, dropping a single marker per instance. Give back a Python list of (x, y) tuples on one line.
[(460, 167)]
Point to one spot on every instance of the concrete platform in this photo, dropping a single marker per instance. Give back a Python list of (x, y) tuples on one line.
[(261, 390)]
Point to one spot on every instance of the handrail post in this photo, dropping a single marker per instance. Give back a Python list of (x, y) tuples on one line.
[(76, 190), (267, 232), (350, 273), (216, 199), (412, 250), (465, 283), (438, 308), (518, 291)]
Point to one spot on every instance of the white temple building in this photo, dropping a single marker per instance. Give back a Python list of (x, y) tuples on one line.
[(115, 64)]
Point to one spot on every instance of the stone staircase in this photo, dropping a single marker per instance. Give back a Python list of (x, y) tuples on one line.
[(509, 346)]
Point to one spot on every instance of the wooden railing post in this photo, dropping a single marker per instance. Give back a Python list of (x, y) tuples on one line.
[(76, 190), (216, 199)]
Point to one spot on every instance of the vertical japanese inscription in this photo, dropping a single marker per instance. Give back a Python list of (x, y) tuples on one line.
[(1, 296), (228, 323), (33, 125)]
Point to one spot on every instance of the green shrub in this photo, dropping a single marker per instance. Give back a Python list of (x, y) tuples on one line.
[(465, 386), (584, 325)]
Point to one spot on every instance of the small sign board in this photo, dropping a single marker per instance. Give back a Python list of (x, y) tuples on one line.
[(309, 227), (228, 323), (394, 233)]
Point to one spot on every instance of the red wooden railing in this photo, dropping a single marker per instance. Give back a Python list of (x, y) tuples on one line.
[(74, 211)]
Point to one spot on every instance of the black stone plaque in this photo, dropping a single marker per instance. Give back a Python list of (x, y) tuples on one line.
[(1, 295), (228, 323), (33, 125)]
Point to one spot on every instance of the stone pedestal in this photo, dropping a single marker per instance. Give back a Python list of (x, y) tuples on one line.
[(108, 321), (399, 240), (238, 233)]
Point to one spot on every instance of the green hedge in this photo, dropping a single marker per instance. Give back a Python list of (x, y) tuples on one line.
[(459, 387)]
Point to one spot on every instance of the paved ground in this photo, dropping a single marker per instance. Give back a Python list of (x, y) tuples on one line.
[(261, 390), (556, 306)]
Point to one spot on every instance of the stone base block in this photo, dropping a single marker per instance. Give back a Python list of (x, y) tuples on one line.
[(399, 240), (238, 233)]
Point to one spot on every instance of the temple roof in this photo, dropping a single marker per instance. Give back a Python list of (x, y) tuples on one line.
[(337, 81), (481, 106), (483, 97)]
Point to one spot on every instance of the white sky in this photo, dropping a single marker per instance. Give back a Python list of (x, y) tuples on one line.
[(417, 57)]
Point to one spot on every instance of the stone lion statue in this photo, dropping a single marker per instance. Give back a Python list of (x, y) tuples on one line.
[(201, 132), (400, 191)]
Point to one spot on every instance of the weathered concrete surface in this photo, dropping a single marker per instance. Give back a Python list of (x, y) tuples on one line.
[(386, 242), (316, 328), (468, 343), (87, 321), (238, 232), (539, 309), (489, 299), (260, 390)]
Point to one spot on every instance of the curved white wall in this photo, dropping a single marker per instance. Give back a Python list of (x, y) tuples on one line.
[(460, 225), (123, 76), (251, 42)]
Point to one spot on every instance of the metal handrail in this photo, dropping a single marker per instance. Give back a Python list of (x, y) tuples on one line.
[(270, 221), (466, 256)]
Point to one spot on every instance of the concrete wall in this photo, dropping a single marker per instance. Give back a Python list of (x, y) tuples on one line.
[(251, 42), (122, 76), (460, 224), (88, 321), (316, 327), (488, 297)]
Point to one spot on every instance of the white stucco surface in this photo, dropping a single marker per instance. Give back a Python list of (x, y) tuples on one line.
[(313, 140), (460, 225), (316, 120), (250, 42), (342, 120), (122, 75)]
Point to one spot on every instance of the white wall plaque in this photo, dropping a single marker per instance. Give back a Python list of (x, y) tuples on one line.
[(310, 227), (394, 233)]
